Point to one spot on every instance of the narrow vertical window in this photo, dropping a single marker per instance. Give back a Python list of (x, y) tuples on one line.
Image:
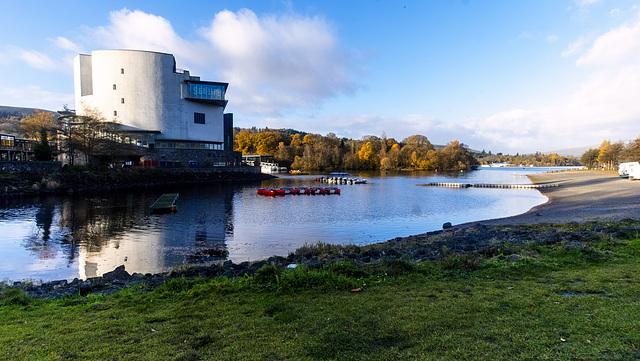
[(114, 87), (121, 70), (198, 118), (122, 100), (115, 113)]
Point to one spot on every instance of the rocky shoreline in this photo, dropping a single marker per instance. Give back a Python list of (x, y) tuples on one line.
[(477, 240)]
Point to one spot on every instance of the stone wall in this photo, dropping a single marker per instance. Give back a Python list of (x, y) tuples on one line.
[(202, 157), (216, 170), (30, 167)]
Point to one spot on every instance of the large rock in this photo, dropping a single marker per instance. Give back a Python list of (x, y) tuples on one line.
[(117, 274)]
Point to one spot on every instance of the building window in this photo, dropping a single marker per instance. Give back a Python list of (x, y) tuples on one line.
[(114, 87), (122, 100), (121, 70), (198, 118), (115, 113)]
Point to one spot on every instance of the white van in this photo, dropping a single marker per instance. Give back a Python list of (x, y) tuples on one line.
[(623, 169), (634, 171)]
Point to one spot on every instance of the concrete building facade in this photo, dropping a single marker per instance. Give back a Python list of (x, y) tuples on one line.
[(160, 106)]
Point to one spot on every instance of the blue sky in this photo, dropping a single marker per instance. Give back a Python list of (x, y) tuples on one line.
[(506, 76)]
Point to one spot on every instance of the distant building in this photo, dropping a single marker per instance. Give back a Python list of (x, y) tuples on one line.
[(16, 149), (176, 117), (266, 163)]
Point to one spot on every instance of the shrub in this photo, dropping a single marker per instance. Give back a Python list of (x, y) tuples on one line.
[(268, 275), (348, 268), (13, 296), (462, 262), (319, 249), (173, 286)]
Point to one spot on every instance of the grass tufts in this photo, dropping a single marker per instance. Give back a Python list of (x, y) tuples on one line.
[(173, 286), (462, 262), (10, 296)]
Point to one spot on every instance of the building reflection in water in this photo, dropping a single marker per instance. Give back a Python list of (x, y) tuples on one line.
[(117, 229)]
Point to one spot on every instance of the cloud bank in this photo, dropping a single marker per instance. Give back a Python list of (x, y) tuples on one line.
[(605, 105), (280, 65), (272, 63)]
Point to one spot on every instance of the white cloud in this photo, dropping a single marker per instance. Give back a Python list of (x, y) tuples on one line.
[(278, 61), (67, 45), (356, 126), (59, 58), (395, 126), (575, 47), (272, 63), (618, 46), (586, 2), (140, 31), (525, 35), (27, 96), (552, 38), (34, 59), (604, 106)]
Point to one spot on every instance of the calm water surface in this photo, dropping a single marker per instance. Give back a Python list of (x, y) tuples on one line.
[(56, 237)]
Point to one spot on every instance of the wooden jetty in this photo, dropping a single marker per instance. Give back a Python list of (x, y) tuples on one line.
[(485, 185), (167, 203), (340, 180)]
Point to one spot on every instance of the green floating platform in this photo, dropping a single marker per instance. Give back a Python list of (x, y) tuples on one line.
[(167, 203)]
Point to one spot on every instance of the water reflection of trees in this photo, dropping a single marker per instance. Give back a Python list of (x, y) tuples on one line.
[(39, 241), (212, 224), (98, 221)]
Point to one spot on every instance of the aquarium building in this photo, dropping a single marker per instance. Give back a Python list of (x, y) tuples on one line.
[(174, 116)]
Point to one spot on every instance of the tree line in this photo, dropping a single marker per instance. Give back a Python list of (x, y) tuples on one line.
[(609, 155), (299, 150), (525, 160)]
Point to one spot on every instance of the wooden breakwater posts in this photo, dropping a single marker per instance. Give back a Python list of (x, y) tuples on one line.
[(167, 203), (485, 185), (341, 180)]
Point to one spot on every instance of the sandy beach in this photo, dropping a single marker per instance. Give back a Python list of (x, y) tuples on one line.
[(581, 196)]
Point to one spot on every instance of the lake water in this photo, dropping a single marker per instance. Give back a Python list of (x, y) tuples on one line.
[(62, 237)]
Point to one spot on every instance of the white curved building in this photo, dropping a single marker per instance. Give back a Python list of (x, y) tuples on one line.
[(166, 108)]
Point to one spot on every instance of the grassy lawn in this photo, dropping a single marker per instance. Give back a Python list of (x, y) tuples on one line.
[(549, 303)]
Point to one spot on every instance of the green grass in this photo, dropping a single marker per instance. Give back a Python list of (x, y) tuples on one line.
[(548, 303)]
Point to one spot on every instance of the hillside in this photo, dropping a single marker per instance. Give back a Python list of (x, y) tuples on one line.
[(574, 152), (19, 112), (10, 118)]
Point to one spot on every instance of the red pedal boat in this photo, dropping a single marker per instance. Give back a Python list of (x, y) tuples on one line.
[(288, 190)]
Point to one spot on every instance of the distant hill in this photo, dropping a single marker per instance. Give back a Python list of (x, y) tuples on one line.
[(10, 118), (574, 152), (18, 112)]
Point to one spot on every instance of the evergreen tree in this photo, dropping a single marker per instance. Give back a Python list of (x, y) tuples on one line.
[(42, 150)]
